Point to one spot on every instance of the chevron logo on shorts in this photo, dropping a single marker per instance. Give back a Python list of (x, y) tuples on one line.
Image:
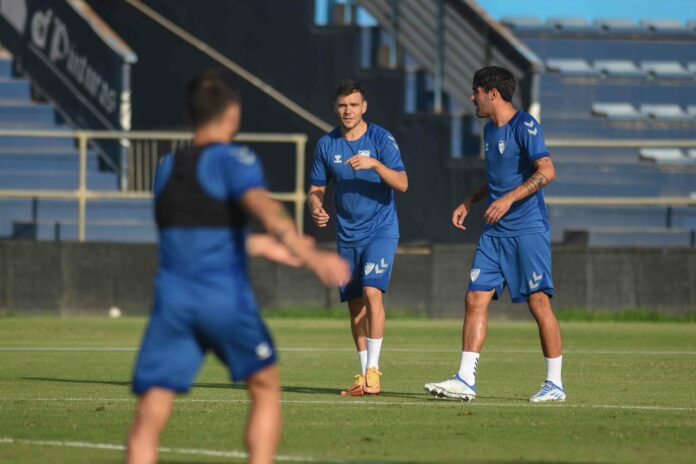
[(535, 280)]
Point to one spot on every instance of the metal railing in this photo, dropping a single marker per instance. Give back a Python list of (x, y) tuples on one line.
[(144, 149)]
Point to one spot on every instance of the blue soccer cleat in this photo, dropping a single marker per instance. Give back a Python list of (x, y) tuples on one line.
[(549, 392)]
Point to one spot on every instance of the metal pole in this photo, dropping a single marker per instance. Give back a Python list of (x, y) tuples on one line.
[(82, 187), (439, 57), (299, 183)]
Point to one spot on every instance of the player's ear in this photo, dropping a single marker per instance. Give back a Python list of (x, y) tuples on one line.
[(364, 106)]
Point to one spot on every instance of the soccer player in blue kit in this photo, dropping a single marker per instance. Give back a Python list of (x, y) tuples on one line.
[(514, 249), (364, 162), (203, 296)]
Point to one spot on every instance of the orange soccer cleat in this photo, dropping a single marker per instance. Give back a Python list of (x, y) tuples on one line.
[(372, 385)]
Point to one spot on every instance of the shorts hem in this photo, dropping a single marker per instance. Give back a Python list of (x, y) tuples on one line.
[(140, 389), (525, 297)]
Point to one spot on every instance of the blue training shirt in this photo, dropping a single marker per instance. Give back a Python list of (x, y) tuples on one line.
[(364, 203), (196, 244), (510, 152)]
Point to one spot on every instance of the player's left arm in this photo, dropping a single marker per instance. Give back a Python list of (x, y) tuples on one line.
[(544, 174), (268, 247)]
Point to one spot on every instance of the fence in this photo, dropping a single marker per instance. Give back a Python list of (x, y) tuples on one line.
[(144, 148)]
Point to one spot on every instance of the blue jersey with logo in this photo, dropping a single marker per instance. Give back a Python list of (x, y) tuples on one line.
[(510, 152), (364, 203), (223, 172)]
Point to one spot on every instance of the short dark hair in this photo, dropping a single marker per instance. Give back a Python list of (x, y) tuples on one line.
[(349, 86), (208, 95), (495, 77)]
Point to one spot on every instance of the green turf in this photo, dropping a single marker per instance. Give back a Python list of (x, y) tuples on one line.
[(631, 395)]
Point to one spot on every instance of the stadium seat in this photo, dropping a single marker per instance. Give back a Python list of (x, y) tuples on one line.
[(665, 26), (571, 24), (691, 67), (525, 23), (664, 156), (618, 25), (619, 68), (665, 112), (571, 66), (617, 111), (666, 69), (691, 110)]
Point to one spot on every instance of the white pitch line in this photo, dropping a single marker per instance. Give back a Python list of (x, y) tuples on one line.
[(427, 401), (389, 350), (234, 454)]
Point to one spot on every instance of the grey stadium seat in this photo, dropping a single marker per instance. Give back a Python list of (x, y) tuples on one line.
[(691, 154), (691, 110), (618, 25), (571, 66), (665, 112), (666, 69), (525, 23), (571, 24), (664, 156), (691, 67), (619, 68), (665, 26), (618, 111)]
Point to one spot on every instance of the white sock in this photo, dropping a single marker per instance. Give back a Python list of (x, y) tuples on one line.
[(553, 370), (467, 367), (374, 346), (362, 356)]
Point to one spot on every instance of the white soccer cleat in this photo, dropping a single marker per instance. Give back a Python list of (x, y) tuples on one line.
[(454, 387), (549, 392)]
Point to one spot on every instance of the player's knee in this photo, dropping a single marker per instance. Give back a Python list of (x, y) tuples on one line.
[(372, 295), (539, 303), (475, 302), (264, 382)]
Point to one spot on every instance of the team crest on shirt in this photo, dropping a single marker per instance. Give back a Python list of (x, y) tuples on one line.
[(364, 153), (501, 146), (474, 274), (338, 159)]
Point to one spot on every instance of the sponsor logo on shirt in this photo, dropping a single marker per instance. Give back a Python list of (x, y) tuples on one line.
[(338, 159), (364, 153), (501, 146)]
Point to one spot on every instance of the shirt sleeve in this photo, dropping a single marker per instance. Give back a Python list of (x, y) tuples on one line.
[(532, 139), (243, 172), (319, 175), (390, 154)]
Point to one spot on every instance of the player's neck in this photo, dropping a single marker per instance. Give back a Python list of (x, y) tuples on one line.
[(503, 115), (207, 136), (354, 133)]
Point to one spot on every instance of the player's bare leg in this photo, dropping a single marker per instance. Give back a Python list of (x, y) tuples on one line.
[(153, 412), (375, 332), (462, 385), (263, 428), (358, 327), (550, 336)]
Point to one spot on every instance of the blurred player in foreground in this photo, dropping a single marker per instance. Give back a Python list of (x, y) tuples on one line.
[(203, 296), (514, 249), (365, 164)]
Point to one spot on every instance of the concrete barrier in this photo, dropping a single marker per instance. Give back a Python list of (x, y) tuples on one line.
[(73, 278)]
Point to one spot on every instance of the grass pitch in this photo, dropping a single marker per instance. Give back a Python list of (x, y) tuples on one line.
[(64, 396)]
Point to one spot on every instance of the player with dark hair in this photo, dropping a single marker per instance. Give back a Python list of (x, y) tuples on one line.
[(203, 297), (365, 164), (514, 249)]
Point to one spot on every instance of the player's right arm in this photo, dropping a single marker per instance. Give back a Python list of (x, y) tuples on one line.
[(315, 200), (330, 268), (461, 211)]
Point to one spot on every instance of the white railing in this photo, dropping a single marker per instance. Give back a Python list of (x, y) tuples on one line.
[(140, 157)]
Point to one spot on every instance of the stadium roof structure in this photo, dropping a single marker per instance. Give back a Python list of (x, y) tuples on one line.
[(571, 24), (666, 69), (571, 66), (618, 25), (665, 26)]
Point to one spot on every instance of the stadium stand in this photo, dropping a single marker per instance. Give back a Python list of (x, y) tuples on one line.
[(571, 67), (52, 164), (617, 26), (665, 112), (619, 111), (664, 155), (619, 68), (666, 69)]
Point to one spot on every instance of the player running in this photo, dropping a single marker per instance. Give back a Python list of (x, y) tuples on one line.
[(514, 249), (203, 296), (365, 164)]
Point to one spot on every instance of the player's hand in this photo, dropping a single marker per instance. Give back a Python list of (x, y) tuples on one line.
[(329, 267), (459, 215), (320, 217), (266, 246), (497, 210), (360, 162)]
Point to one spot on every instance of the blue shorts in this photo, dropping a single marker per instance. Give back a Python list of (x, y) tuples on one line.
[(371, 265), (191, 317), (523, 263)]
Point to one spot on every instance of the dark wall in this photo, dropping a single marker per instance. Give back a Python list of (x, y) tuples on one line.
[(91, 277)]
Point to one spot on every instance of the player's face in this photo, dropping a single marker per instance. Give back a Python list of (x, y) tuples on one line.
[(350, 109), (482, 102)]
